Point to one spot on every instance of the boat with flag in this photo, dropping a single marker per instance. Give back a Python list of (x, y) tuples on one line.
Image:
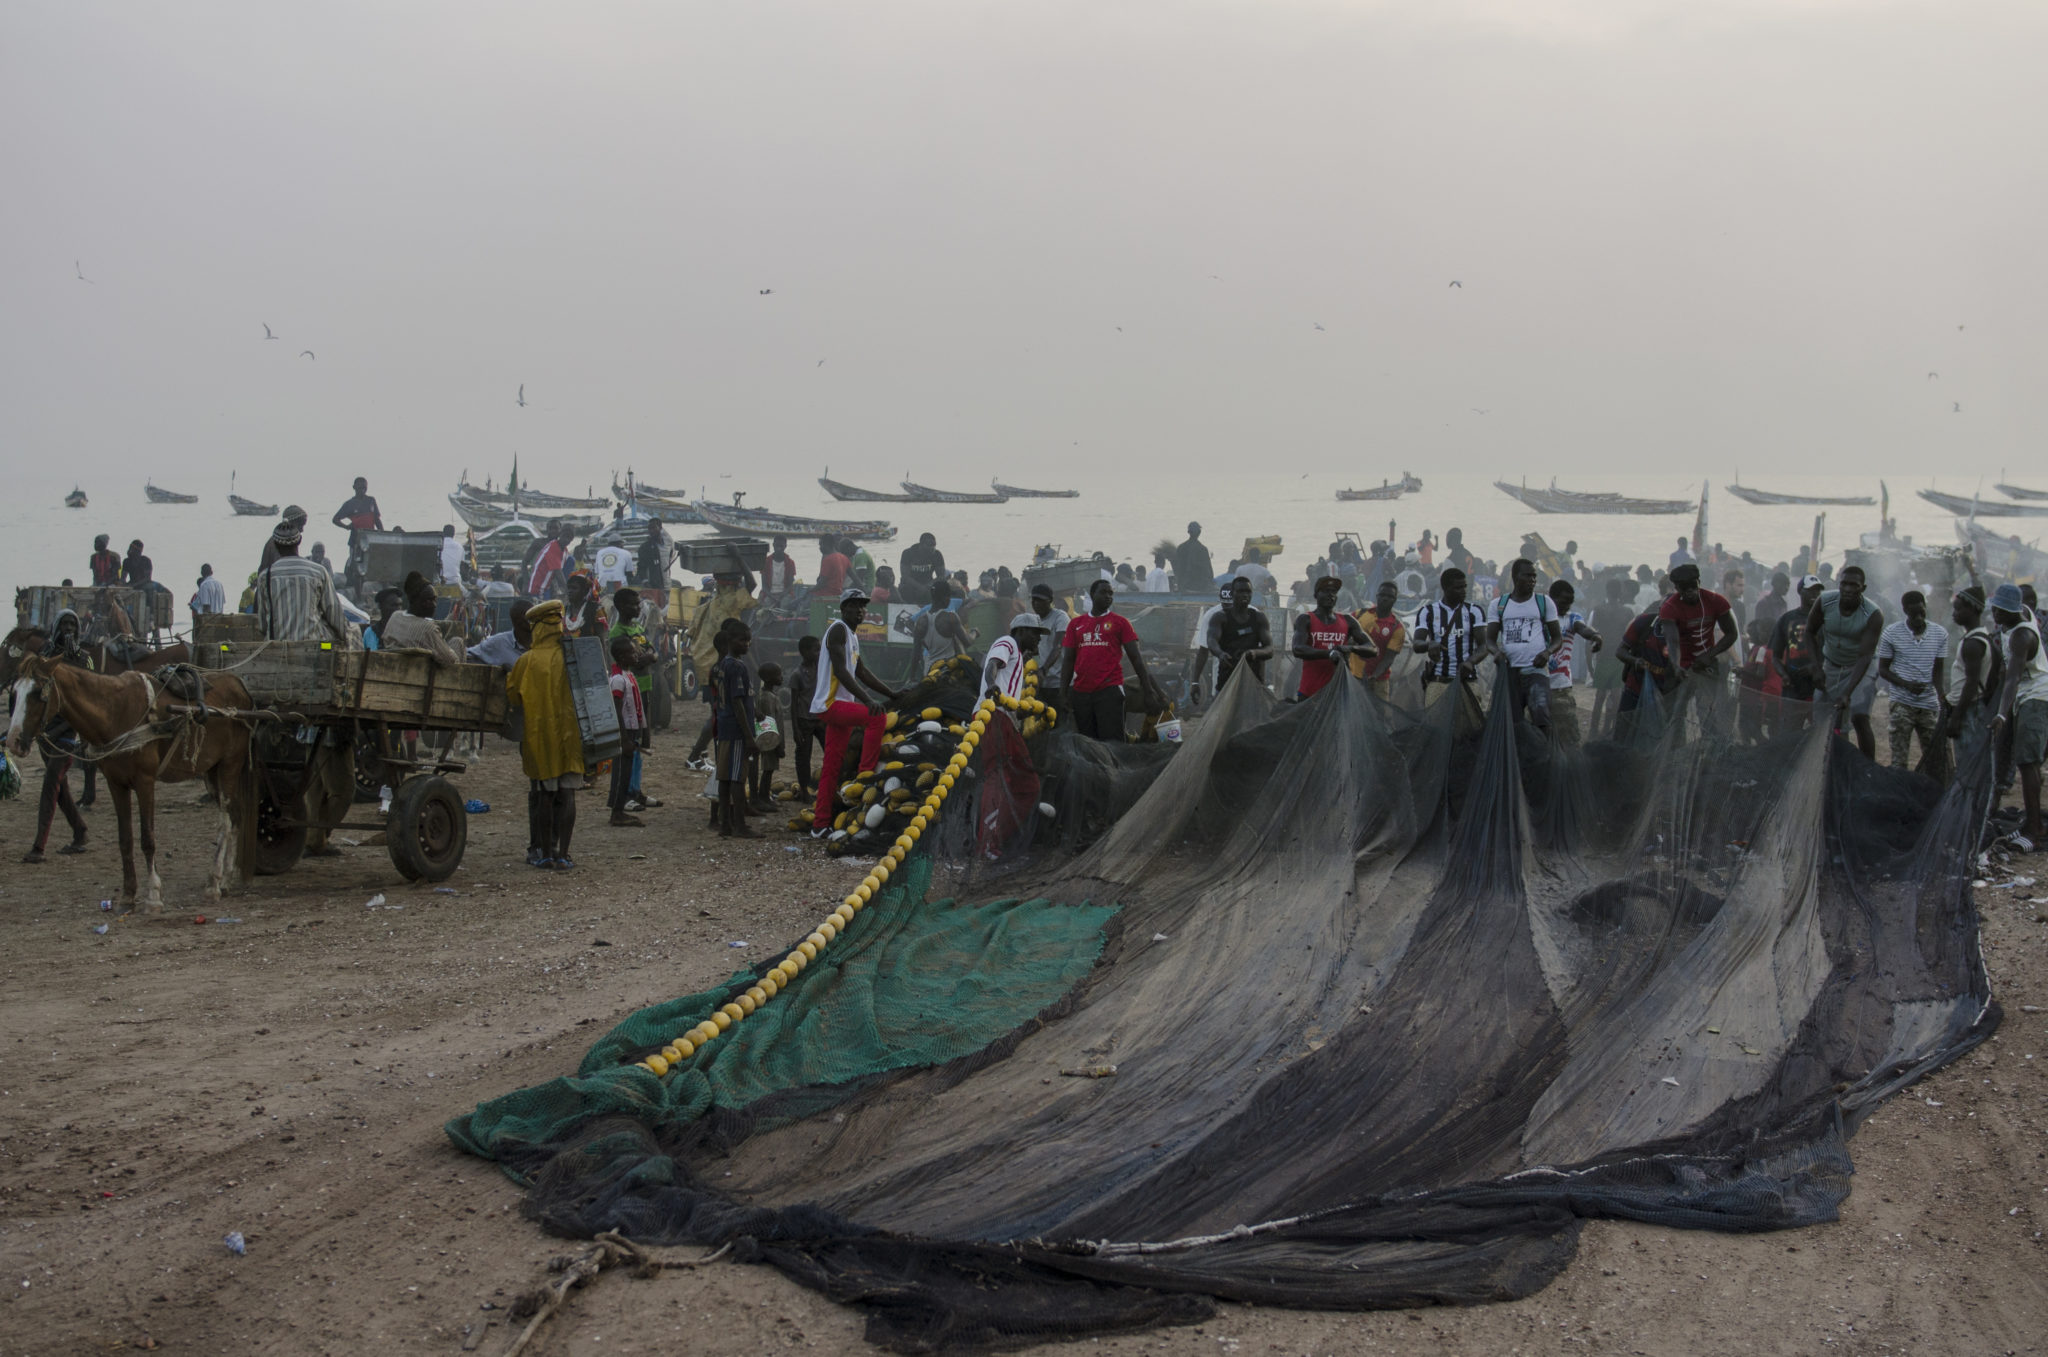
[(76, 499), (525, 495), (737, 518), (2019, 492)]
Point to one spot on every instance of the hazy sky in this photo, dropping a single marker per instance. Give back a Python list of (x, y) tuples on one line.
[(1741, 232)]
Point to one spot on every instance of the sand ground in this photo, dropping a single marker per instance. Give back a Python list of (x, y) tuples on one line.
[(287, 1076)]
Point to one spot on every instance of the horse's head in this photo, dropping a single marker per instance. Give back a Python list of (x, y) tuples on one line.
[(21, 641), (34, 696)]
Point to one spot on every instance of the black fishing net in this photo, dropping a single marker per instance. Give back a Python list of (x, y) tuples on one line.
[(1344, 1003)]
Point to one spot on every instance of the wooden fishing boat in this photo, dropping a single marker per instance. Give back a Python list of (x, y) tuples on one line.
[(2001, 556), (1754, 496), (667, 510), (634, 485), (2019, 492), (1385, 490), (1976, 508), (528, 498), (732, 518), (1018, 492), (840, 490), (249, 508), (157, 496), (924, 494), (1556, 501), (1410, 482), (480, 516), (76, 499)]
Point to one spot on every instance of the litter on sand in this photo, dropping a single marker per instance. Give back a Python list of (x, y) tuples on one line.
[(236, 1244)]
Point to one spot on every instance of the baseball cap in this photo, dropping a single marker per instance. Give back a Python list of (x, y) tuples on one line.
[(1808, 582), (1027, 622), (852, 592)]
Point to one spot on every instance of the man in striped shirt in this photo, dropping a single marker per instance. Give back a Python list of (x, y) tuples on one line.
[(295, 599), (1450, 632)]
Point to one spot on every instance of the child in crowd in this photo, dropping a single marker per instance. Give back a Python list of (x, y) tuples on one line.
[(772, 716), (736, 716), (632, 711), (803, 727)]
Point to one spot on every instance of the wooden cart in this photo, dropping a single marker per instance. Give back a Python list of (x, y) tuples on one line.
[(318, 701)]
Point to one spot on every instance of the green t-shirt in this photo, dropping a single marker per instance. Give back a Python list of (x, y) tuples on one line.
[(638, 631)]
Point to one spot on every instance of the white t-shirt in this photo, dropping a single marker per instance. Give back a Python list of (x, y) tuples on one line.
[(451, 560), (1052, 656), (614, 566), (1913, 657), (1260, 577), (1156, 581), (1003, 670), (1561, 663), (827, 690), (1521, 629)]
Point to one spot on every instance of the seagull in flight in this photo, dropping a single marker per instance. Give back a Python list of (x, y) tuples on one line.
[(522, 395), (79, 265), (1319, 326), (267, 334), (1456, 283), (1477, 411), (307, 353), (1932, 375), (1959, 407), (821, 362), (766, 291)]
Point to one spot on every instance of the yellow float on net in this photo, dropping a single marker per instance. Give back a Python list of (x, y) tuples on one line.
[(828, 931), (757, 996), (707, 1031), (684, 1049), (770, 985), (656, 1064), (809, 949), (746, 1005), (720, 1020)]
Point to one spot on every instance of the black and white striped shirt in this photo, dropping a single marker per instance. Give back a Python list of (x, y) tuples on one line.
[(1461, 631)]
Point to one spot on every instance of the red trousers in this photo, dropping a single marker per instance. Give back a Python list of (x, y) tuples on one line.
[(840, 720)]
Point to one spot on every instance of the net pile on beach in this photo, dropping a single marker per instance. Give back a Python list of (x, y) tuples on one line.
[(1344, 1004)]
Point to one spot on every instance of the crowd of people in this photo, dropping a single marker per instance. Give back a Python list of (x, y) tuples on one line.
[(1417, 622)]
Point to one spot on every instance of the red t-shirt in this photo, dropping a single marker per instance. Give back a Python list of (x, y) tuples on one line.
[(1095, 651), (1696, 623), (1316, 674), (832, 574)]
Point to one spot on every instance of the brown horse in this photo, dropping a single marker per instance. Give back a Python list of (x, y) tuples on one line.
[(139, 736), (107, 658)]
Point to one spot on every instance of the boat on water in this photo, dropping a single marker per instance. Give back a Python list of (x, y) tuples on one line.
[(1410, 482), (160, 496), (840, 490), (1556, 501), (924, 494), (249, 508), (528, 498), (635, 484), (666, 510), (1019, 492), (733, 518), (481, 516), (1752, 495), (1384, 490), (2019, 492), (76, 499), (1972, 507)]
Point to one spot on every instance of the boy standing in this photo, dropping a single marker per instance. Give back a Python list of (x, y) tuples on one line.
[(736, 718), (1564, 704)]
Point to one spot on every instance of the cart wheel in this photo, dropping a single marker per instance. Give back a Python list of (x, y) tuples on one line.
[(279, 846), (661, 704), (428, 829), (370, 772)]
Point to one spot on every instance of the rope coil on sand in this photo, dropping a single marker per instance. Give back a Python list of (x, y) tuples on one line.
[(784, 972)]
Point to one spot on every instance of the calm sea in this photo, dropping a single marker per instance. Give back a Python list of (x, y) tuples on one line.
[(1123, 510)]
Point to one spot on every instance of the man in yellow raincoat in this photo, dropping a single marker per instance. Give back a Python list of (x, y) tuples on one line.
[(551, 747)]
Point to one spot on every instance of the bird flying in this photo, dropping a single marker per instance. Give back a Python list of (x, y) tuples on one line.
[(1319, 326), (1959, 407), (307, 353), (522, 395), (80, 266), (766, 291), (267, 334), (821, 362), (1456, 283), (1932, 375)]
